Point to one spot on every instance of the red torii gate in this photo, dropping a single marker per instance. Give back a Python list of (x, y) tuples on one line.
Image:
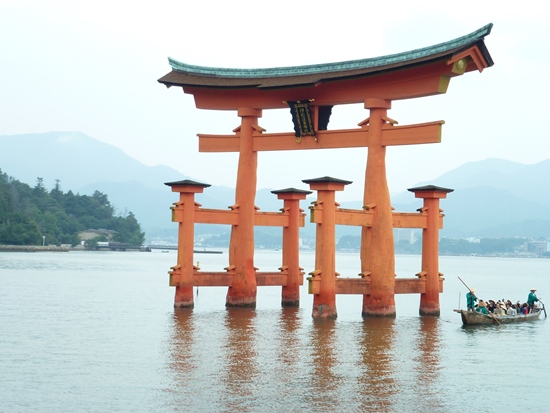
[(311, 91)]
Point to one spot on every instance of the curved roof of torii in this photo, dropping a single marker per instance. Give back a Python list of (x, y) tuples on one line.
[(212, 81)]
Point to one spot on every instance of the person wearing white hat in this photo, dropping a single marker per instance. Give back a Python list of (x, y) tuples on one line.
[(471, 299), (532, 299)]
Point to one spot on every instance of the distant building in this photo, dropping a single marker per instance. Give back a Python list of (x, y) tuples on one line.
[(536, 247), (410, 235), (89, 234)]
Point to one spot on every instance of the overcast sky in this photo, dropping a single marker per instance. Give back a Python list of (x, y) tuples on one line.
[(92, 66)]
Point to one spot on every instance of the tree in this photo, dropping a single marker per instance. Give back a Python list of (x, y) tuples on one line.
[(27, 214)]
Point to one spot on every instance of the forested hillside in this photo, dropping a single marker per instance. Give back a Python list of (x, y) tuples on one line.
[(27, 214)]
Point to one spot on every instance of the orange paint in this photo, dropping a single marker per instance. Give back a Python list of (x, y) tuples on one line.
[(241, 248), (429, 300), (290, 294), (405, 76), (377, 248), (184, 213), (324, 303)]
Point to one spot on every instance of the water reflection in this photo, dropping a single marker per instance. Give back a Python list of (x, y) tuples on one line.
[(288, 337), (240, 369), (429, 343), (377, 384), (182, 340), (323, 388), (183, 360)]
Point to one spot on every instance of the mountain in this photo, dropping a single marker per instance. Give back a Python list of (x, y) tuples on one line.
[(491, 198), (84, 165)]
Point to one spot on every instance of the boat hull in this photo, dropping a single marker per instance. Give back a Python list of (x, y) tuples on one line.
[(470, 318)]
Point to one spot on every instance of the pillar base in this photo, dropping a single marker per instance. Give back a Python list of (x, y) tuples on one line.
[(290, 303), (429, 310), (184, 305), (241, 302), (184, 297), (324, 311), (379, 311)]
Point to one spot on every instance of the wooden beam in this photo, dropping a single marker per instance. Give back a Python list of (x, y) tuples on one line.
[(271, 219), (357, 218), (420, 81), (362, 286), (216, 216), (330, 139)]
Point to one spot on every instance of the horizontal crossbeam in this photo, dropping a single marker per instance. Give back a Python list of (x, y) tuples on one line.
[(330, 139), (361, 218), (225, 278), (362, 286)]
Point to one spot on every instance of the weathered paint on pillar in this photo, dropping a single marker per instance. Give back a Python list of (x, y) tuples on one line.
[(429, 301), (324, 303), (184, 213), (290, 294), (377, 247), (241, 249)]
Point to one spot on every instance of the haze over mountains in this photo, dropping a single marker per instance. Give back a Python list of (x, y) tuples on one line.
[(491, 198)]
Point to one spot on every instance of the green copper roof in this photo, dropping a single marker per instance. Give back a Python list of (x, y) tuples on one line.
[(394, 59)]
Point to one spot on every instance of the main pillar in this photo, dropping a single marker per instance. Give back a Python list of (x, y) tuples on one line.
[(377, 247), (242, 293), (290, 294), (429, 301)]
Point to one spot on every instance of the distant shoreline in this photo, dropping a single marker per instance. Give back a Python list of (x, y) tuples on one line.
[(32, 248)]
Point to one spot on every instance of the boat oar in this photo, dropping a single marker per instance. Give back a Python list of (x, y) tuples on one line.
[(490, 314), (543, 308)]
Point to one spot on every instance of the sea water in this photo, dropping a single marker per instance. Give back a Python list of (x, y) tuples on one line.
[(97, 332)]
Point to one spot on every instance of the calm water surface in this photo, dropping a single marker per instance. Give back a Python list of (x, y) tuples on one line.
[(96, 332)]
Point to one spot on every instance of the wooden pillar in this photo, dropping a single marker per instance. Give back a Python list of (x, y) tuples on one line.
[(242, 292), (183, 212), (429, 301), (377, 248), (324, 303), (290, 294)]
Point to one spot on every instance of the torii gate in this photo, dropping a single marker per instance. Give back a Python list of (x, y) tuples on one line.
[(311, 91)]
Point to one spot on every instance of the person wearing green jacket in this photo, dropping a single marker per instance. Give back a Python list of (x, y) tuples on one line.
[(471, 299), (532, 299)]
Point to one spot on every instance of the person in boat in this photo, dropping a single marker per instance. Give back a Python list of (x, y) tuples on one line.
[(524, 309), (471, 299), (482, 307), (532, 299), (511, 310), (491, 305), (499, 310)]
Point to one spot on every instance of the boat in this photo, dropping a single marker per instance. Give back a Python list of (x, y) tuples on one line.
[(471, 318)]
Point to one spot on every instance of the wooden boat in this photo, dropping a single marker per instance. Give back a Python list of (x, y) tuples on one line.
[(471, 318)]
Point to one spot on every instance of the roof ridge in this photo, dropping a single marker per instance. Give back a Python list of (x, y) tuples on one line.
[(465, 40)]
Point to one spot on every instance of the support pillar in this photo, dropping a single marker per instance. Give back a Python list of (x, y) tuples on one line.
[(183, 212), (324, 303), (290, 294), (377, 247), (242, 293), (429, 301)]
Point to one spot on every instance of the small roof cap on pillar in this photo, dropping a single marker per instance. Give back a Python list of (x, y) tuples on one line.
[(187, 182), (326, 179), (291, 191), (432, 188)]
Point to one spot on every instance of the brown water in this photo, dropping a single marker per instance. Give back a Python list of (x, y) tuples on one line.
[(96, 332)]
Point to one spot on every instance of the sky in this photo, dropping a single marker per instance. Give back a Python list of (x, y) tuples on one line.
[(92, 67)]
